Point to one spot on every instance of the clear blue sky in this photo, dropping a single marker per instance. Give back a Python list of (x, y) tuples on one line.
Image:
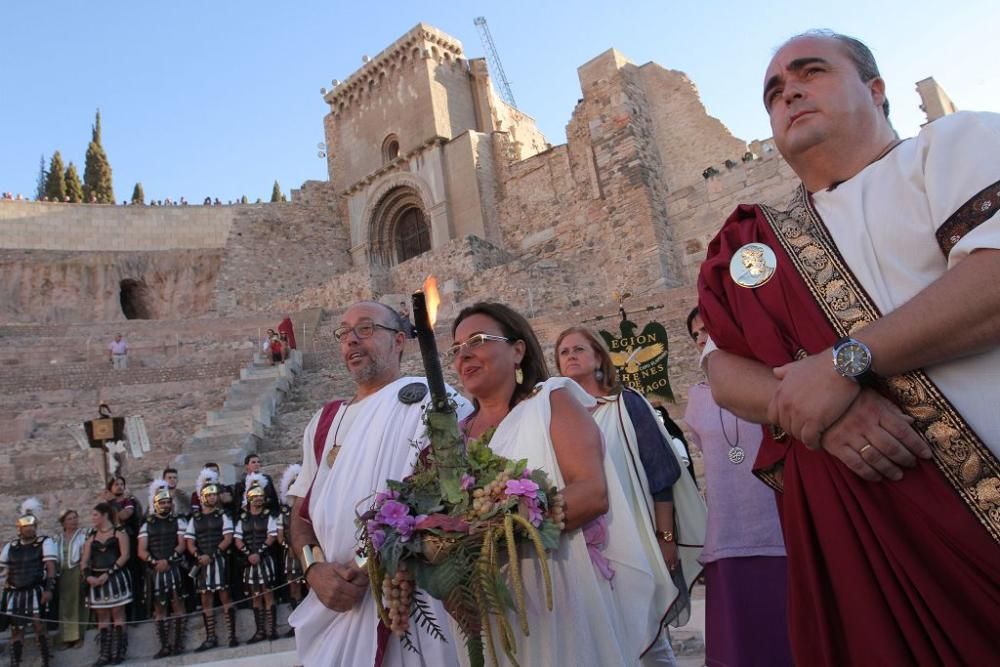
[(221, 98)]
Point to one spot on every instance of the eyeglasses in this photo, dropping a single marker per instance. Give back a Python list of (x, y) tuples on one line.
[(471, 343), (361, 330)]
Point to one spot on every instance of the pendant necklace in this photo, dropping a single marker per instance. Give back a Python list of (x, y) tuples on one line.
[(335, 449), (736, 453)]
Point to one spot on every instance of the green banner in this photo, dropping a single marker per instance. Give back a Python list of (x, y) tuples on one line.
[(641, 357)]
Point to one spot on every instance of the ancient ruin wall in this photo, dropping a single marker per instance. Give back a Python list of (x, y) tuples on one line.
[(101, 227), (58, 286), (276, 251), (689, 140)]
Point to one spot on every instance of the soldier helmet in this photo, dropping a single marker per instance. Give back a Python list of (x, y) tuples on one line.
[(208, 483), (159, 495), (255, 485), (28, 512)]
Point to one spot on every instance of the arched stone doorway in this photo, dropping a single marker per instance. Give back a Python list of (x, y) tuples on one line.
[(135, 300), (399, 229)]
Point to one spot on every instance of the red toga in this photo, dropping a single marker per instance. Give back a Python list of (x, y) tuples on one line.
[(887, 573), (286, 328)]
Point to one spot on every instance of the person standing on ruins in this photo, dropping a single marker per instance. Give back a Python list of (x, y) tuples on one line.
[(255, 533), (161, 547), (350, 448), (118, 353), (208, 537), (30, 563), (287, 330), (870, 343)]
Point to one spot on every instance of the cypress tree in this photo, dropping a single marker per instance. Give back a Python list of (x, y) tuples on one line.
[(43, 176), (244, 200), (55, 184), (73, 187), (276, 193), (138, 196), (97, 169)]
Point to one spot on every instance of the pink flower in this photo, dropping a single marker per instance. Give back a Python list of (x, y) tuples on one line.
[(521, 487), (407, 525), (391, 512), (378, 538), (529, 509), (595, 534), (468, 481), (383, 496)]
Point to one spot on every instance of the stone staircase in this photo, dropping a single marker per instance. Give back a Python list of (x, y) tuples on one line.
[(238, 428), (143, 644)]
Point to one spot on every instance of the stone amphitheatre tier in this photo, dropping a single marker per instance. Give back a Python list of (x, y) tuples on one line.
[(55, 375), (102, 228)]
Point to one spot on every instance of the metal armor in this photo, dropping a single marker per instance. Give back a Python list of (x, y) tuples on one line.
[(24, 564), (208, 531), (255, 530), (161, 536)]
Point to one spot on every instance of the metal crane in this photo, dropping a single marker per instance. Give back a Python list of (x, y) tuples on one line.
[(493, 58)]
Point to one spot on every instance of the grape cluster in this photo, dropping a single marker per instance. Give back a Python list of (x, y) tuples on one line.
[(484, 500), (397, 595), (557, 510)]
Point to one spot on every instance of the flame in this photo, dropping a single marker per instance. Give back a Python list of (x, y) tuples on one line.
[(433, 298)]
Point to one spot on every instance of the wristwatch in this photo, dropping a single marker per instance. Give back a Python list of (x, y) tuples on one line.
[(665, 535), (853, 360)]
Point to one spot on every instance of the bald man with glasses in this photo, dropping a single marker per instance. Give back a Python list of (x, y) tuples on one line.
[(349, 450)]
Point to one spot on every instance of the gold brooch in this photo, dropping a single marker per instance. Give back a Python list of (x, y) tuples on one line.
[(752, 265)]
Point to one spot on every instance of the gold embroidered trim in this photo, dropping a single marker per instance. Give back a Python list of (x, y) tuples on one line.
[(968, 465)]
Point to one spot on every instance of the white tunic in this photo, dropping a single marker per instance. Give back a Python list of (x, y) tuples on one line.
[(377, 446), (690, 518), (586, 627), (884, 222)]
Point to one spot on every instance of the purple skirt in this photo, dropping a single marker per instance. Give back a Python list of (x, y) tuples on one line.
[(746, 618)]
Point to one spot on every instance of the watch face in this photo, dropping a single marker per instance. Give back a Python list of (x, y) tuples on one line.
[(853, 359)]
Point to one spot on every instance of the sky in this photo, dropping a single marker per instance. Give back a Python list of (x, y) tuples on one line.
[(222, 98)]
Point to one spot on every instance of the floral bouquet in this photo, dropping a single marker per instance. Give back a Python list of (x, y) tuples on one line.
[(452, 542)]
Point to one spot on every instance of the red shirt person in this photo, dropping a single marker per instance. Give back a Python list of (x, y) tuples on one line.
[(862, 322), (288, 330)]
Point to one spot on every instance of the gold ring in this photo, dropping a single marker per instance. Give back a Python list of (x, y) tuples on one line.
[(861, 452)]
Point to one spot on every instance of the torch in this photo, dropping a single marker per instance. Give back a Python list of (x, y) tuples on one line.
[(447, 447)]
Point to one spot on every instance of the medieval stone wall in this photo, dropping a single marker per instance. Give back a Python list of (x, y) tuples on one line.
[(698, 210), (102, 227), (276, 250), (64, 286)]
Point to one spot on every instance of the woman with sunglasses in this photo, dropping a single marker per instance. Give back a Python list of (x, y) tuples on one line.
[(527, 415), (666, 507)]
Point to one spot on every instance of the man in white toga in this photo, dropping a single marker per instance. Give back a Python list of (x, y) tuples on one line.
[(369, 439)]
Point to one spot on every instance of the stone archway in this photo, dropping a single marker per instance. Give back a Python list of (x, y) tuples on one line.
[(399, 227), (135, 299)]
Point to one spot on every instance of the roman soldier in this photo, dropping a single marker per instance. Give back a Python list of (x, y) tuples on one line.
[(293, 566), (161, 547), (30, 561), (256, 531), (208, 536)]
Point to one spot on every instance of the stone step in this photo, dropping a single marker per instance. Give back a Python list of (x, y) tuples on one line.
[(231, 428), (143, 644)]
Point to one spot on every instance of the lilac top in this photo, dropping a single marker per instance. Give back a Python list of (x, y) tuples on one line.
[(742, 512)]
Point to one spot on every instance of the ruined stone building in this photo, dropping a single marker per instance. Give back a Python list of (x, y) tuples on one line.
[(430, 171)]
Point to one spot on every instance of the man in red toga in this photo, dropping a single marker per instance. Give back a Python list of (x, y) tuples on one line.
[(861, 324)]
